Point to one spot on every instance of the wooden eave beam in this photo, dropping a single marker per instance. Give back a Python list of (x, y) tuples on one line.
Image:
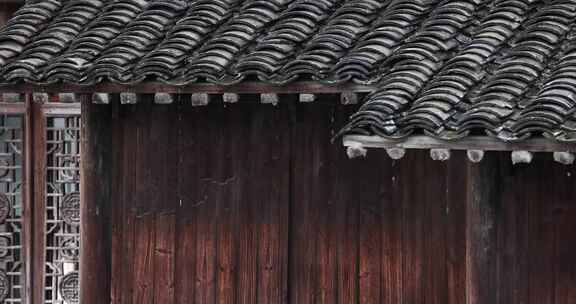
[(308, 87), (484, 143)]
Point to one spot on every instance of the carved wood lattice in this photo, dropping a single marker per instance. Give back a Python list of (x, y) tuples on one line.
[(11, 209), (62, 210)]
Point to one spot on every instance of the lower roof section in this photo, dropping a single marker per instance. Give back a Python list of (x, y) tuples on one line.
[(483, 143), (476, 146)]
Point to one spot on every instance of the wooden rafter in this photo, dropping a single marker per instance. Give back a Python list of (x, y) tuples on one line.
[(485, 143), (474, 145), (155, 87)]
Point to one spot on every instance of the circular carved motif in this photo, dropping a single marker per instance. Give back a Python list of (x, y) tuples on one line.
[(4, 244), (71, 169), (70, 249), (70, 209), (4, 207), (4, 168), (69, 288), (4, 286)]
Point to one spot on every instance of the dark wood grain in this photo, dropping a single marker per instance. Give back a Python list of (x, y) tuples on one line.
[(39, 197), (434, 210), (456, 192), (226, 188), (164, 164), (272, 195), (96, 155), (205, 203), (481, 222), (542, 230), (370, 233), (145, 204), (119, 216), (345, 216), (392, 270), (564, 211), (512, 234), (413, 253), (144, 245), (128, 173), (310, 253), (189, 161), (28, 202)]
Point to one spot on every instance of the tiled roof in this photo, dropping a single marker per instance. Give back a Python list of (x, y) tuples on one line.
[(445, 68), (222, 41)]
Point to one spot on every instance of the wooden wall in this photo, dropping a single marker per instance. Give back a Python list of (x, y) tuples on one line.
[(7, 9), (251, 203)]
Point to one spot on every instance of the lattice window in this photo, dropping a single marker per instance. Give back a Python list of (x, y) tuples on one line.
[(11, 209), (62, 210)]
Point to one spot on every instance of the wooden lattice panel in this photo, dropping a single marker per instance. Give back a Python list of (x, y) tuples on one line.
[(62, 210), (11, 209)]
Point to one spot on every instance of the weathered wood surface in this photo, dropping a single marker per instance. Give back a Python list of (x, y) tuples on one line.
[(7, 9), (251, 203), (95, 210), (485, 143)]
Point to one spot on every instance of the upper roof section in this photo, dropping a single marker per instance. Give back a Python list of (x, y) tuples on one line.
[(221, 41)]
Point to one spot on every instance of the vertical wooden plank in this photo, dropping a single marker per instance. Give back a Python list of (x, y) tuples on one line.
[(205, 205), (302, 251), (164, 258), (345, 217), (392, 241), (248, 234), (39, 131), (311, 261), (432, 204), (423, 191), (95, 235), (117, 214), (145, 204), (129, 165), (370, 231), (413, 224), (513, 233), (565, 241), (270, 142), (189, 160), (482, 203), (144, 243), (542, 235), (226, 184), (321, 205), (456, 181), (164, 162), (28, 201)]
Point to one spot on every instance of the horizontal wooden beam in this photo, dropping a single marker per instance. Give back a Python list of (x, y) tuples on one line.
[(208, 88), (13, 108), (58, 108), (483, 143)]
